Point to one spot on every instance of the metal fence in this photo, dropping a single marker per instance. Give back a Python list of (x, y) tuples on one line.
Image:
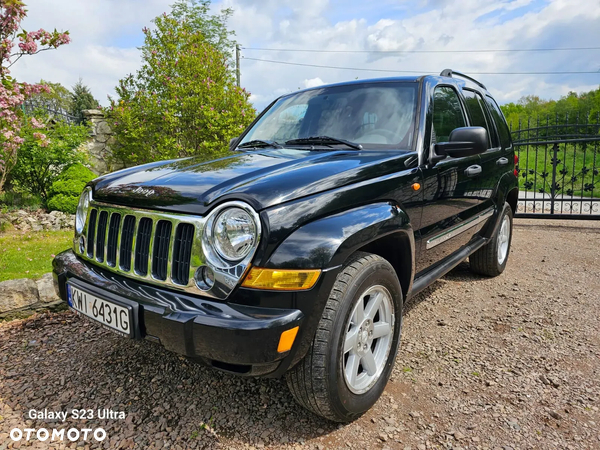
[(52, 109), (559, 165)]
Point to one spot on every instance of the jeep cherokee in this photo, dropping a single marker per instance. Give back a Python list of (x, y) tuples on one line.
[(295, 254)]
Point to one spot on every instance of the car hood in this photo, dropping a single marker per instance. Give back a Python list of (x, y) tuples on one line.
[(262, 178)]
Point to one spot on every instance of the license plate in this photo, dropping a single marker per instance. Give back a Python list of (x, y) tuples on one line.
[(109, 314)]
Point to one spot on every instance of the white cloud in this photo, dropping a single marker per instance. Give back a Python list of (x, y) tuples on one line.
[(97, 29), (103, 31), (313, 82)]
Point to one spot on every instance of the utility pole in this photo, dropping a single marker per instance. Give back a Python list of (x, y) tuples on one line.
[(237, 64)]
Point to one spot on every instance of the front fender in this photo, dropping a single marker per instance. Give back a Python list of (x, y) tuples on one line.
[(329, 241)]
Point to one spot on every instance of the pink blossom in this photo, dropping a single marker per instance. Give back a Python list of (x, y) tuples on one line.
[(13, 94), (36, 124), (29, 47)]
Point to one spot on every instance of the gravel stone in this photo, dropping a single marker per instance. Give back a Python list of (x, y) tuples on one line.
[(465, 382)]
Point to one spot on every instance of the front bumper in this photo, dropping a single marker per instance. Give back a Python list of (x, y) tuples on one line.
[(231, 336)]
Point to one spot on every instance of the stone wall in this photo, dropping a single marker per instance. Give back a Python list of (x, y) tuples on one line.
[(23, 220), (98, 146)]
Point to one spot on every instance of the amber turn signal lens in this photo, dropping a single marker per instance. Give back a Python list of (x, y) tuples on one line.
[(281, 279), (416, 186), (287, 340)]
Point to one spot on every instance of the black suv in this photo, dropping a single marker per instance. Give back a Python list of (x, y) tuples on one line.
[(296, 253)]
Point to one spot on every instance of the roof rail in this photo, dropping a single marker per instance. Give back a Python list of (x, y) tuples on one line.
[(450, 72)]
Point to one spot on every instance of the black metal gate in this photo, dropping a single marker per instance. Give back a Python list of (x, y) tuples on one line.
[(559, 165)]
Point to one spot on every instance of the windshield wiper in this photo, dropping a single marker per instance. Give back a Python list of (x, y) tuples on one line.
[(324, 140), (260, 143)]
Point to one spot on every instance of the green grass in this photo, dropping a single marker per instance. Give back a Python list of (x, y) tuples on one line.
[(29, 255)]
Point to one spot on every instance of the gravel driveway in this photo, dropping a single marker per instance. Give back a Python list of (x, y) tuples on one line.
[(511, 362)]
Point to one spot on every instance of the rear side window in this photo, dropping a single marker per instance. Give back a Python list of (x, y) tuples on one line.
[(501, 126), (447, 113), (475, 107)]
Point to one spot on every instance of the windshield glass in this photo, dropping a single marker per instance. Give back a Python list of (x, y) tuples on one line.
[(373, 115)]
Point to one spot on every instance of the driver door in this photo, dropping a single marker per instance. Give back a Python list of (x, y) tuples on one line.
[(449, 187)]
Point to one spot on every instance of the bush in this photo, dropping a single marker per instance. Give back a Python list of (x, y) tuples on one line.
[(19, 200), (77, 172), (41, 163), (65, 191), (64, 203)]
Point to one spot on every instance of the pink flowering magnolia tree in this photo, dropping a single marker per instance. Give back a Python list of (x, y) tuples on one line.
[(15, 43)]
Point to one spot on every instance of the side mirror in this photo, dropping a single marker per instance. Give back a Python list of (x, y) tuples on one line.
[(464, 141), (233, 142)]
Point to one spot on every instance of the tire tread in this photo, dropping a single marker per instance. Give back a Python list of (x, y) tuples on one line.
[(310, 390), (484, 261)]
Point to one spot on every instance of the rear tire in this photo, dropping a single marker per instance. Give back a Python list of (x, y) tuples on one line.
[(353, 352), (491, 259)]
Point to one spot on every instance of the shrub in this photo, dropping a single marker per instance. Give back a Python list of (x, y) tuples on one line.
[(78, 172), (40, 164), (64, 203), (65, 191), (10, 200)]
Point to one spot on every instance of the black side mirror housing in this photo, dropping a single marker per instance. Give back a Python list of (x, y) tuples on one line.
[(464, 141), (233, 142)]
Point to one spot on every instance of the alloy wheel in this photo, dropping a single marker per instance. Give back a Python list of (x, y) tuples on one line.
[(368, 339)]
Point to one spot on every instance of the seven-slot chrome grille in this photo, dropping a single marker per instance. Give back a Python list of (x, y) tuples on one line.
[(159, 248)]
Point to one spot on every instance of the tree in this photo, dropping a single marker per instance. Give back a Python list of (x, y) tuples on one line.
[(212, 27), (183, 101), (12, 93), (573, 106), (81, 99)]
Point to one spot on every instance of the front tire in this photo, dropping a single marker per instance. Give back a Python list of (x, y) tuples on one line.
[(491, 259), (352, 354)]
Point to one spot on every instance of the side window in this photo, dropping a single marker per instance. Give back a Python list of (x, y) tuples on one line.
[(475, 107), (447, 113), (501, 126)]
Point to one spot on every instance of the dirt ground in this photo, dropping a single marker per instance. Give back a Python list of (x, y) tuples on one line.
[(505, 363)]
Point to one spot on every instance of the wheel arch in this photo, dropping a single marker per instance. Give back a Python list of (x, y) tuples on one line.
[(507, 192), (398, 250), (381, 228), (512, 198)]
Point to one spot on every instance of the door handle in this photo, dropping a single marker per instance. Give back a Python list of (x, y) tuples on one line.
[(473, 171), (502, 161)]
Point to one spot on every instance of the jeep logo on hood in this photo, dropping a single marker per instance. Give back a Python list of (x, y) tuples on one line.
[(143, 191)]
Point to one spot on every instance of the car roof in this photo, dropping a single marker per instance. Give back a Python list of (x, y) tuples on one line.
[(460, 82), (409, 79)]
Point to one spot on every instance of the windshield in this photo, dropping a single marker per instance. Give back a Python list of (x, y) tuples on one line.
[(373, 115)]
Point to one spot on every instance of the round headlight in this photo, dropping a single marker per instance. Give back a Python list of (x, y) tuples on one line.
[(82, 210), (234, 233)]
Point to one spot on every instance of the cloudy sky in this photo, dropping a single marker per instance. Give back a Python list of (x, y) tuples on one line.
[(106, 34)]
